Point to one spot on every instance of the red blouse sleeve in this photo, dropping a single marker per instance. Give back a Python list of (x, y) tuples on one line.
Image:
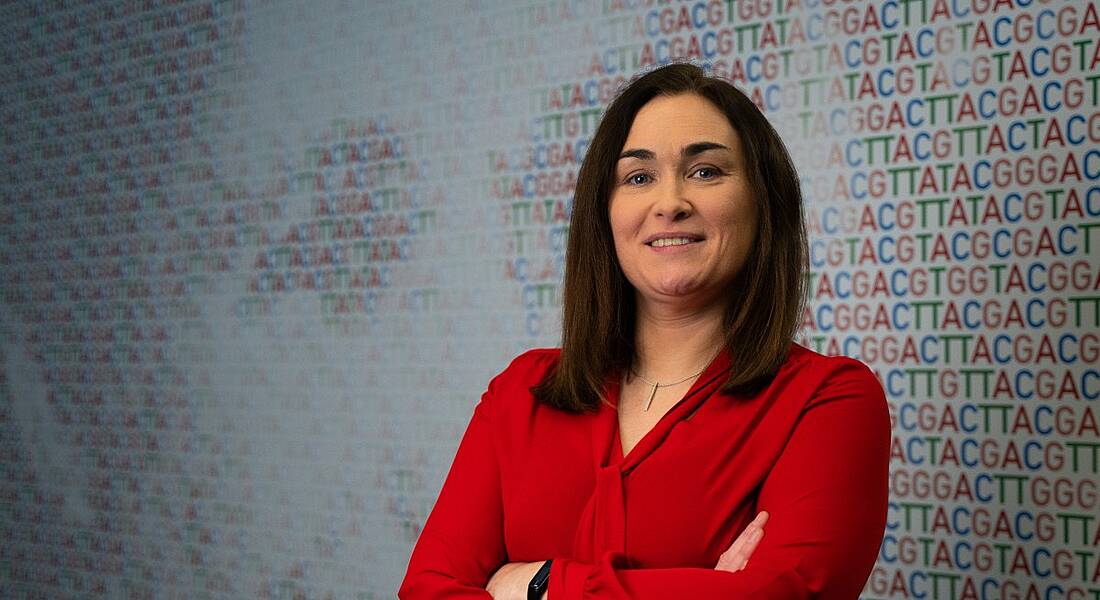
[(826, 496), (462, 543)]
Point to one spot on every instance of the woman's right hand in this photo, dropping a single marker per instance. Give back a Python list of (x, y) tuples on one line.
[(737, 556)]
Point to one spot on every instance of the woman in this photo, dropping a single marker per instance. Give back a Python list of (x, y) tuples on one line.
[(678, 407)]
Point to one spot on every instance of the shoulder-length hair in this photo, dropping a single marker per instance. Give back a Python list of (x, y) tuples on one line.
[(764, 302)]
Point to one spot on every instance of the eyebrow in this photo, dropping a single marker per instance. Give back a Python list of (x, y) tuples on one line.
[(687, 151)]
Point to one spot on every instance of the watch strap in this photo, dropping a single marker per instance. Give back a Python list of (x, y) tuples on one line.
[(539, 582)]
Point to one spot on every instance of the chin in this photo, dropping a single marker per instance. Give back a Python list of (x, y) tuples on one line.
[(678, 289)]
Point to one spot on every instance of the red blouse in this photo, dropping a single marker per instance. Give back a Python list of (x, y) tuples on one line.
[(530, 483)]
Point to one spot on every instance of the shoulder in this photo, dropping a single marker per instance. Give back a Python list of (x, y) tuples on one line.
[(521, 374), (508, 399), (531, 365), (801, 357), (830, 377)]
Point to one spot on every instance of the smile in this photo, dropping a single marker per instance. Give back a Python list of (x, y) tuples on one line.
[(662, 242)]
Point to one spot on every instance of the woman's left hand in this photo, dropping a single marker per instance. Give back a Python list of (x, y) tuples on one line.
[(510, 581), (737, 556)]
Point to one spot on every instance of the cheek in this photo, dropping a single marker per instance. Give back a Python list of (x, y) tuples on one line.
[(741, 215), (624, 227), (741, 223), (623, 224), (745, 232)]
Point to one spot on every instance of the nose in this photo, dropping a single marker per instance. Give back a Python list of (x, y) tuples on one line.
[(672, 203)]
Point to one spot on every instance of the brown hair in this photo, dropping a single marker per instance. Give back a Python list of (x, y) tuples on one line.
[(598, 306)]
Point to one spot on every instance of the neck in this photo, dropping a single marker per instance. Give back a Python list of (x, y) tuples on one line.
[(672, 344)]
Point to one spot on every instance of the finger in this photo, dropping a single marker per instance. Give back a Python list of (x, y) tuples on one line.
[(740, 556), (737, 556), (754, 537), (754, 533), (751, 530)]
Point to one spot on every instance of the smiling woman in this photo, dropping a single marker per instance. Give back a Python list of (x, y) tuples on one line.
[(643, 458)]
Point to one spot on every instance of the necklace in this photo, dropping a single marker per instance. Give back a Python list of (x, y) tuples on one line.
[(653, 390)]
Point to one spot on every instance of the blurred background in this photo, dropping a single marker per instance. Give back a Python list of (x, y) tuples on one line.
[(258, 261)]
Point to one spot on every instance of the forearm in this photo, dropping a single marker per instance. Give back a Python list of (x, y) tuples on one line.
[(610, 578), (440, 585), (433, 573)]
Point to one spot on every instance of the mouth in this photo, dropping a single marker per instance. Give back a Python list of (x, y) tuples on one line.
[(664, 240)]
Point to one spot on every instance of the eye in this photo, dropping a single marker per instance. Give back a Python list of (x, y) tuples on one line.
[(707, 173), (638, 179)]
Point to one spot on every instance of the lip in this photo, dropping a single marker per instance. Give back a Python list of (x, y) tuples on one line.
[(695, 237)]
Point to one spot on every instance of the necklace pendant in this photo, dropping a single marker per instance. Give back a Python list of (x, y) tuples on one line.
[(652, 393)]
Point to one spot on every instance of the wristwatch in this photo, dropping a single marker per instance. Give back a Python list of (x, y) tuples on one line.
[(539, 582)]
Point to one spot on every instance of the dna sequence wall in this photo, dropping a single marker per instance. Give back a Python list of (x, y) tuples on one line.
[(259, 260)]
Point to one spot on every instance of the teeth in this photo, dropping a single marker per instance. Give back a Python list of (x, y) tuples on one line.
[(662, 242)]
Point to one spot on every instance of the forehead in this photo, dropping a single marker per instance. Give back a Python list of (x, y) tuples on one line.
[(672, 121)]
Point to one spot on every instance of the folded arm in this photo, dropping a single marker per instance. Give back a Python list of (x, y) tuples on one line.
[(826, 494)]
